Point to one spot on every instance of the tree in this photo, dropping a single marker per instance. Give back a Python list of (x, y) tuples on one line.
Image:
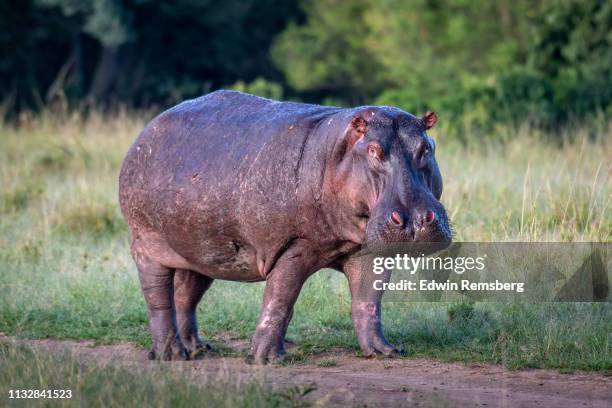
[(573, 46), (135, 51), (329, 54)]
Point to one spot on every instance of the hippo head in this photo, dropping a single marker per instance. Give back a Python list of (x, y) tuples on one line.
[(387, 178)]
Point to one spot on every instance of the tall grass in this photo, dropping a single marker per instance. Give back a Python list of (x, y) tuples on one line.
[(66, 272), (532, 186)]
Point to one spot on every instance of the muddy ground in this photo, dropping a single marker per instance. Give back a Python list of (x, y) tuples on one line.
[(340, 378)]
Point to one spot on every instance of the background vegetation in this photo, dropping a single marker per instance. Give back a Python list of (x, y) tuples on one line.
[(545, 62), (523, 89)]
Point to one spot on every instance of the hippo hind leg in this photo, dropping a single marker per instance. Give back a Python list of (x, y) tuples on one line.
[(189, 287), (157, 282)]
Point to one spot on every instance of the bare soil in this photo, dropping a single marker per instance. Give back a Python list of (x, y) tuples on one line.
[(340, 378)]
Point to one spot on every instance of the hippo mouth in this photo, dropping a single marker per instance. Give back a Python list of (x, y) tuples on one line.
[(386, 242), (441, 235), (378, 231)]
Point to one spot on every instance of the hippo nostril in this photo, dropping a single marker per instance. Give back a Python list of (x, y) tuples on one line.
[(424, 219), (430, 216), (396, 219)]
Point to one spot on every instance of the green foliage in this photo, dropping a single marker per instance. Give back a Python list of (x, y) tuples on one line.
[(261, 87), (330, 54), (478, 64), (104, 20), (136, 52), (573, 48)]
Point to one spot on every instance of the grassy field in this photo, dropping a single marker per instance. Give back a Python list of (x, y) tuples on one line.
[(66, 272)]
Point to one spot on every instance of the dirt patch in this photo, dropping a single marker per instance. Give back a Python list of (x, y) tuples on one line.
[(342, 379)]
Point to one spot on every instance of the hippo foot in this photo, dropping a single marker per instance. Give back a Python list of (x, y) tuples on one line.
[(264, 352), (195, 346), (176, 352), (366, 321), (263, 360), (377, 345), (393, 352), (373, 343)]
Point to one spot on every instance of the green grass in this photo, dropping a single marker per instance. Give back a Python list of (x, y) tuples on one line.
[(66, 272), (104, 385)]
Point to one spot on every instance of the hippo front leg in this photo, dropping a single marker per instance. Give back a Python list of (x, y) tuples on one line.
[(283, 286), (366, 309)]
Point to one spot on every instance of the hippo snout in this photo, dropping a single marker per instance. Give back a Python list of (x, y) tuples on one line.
[(423, 219), (425, 223)]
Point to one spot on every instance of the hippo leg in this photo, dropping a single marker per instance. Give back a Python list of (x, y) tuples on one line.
[(283, 286), (156, 281), (366, 309), (189, 287)]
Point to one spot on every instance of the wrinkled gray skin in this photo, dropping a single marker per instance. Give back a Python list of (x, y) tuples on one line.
[(237, 187)]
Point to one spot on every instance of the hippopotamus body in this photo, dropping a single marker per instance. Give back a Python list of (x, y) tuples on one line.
[(237, 187)]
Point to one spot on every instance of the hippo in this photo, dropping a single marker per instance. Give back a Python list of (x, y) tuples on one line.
[(238, 187)]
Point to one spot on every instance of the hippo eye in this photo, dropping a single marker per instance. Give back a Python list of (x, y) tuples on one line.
[(423, 156), (375, 151)]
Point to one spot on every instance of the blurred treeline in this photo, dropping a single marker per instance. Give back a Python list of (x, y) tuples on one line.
[(543, 62)]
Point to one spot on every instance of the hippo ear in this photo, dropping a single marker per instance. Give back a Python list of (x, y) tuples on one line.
[(356, 131), (429, 119)]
